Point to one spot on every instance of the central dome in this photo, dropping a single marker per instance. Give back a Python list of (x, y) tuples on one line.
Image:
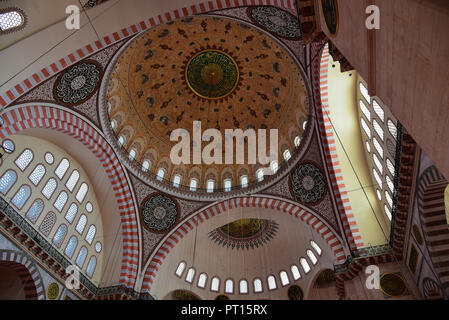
[(221, 72), (212, 74)]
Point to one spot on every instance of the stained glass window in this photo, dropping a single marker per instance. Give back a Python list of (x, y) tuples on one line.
[(37, 174), (91, 266), (62, 168), (295, 272), (82, 192), (81, 257), (229, 286), (21, 196), (71, 213), (35, 210), (91, 234), (7, 180), (49, 188), (24, 159), (48, 223), (81, 224), (284, 278), (243, 287), (73, 180), (271, 283), (180, 269), (312, 256), (61, 200), (215, 284), (71, 246), (305, 265), (60, 235), (257, 285), (202, 280)]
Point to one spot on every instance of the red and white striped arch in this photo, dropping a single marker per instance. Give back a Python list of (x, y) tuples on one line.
[(267, 202), (27, 272), (47, 72), (20, 118), (320, 85)]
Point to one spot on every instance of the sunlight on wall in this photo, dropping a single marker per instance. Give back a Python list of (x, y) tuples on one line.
[(344, 116)]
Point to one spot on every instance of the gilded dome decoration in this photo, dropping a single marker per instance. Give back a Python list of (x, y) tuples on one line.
[(223, 73)]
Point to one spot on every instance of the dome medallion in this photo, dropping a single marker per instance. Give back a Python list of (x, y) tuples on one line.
[(212, 74)]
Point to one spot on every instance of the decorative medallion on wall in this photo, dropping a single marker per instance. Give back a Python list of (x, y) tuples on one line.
[(329, 11), (417, 234), (184, 295), (78, 83), (308, 183), (245, 233), (295, 293), (212, 74), (276, 21), (159, 213), (53, 291), (393, 285)]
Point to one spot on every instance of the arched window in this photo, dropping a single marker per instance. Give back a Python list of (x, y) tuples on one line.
[(91, 234), (180, 269), (48, 223), (7, 180), (132, 154), (82, 192), (244, 181), (71, 213), (378, 163), (257, 283), (392, 128), (91, 266), (176, 180), (61, 200), (37, 174), (305, 265), (49, 188), (297, 141), (390, 183), (378, 147), (193, 184), (274, 166), (35, 210), (21, 196), (304, 125), (365, 110), (243, 287), (62, 168), (287, 155), (390, 167), (295, 272), (284, 278), (388, 212), (81, 224), (24, 159), (121, 140), (146, 165), (229, 286), (364, 92), (377, 177), (81, 257), (379, 111), (160, 174), (312, 256), (388, 198), (227, 185), (366, 128), (215, 284), (113, 125), (190, 275), (379, 130), (202, 280), (71, 247), (60, 235), (379, 195), (271, 283), (73, 180), (259, 175), (368, 146), (11, 20), (316, 247), (210, 186)]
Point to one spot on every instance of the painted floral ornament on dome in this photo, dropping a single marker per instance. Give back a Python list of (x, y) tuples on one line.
[(159, 213)]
